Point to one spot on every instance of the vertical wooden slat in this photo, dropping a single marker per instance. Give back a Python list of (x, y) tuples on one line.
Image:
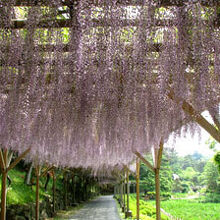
[(137, 187)]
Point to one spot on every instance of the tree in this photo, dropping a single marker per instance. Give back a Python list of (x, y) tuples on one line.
[(165, 175), (217, 160), (210, 177)]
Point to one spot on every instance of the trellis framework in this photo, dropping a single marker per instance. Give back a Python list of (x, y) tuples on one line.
[(88, 83)]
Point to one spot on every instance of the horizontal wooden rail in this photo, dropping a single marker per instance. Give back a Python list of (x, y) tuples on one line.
[(153, 47), (67, 23), (160, 3)]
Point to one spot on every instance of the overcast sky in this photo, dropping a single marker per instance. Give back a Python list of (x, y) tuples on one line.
[(189, 145)]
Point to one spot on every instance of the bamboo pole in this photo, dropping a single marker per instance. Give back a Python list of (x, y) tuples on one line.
[(137, 187), (37, 192)]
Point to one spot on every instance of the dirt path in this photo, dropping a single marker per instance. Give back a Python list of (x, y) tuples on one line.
[(102, 208)]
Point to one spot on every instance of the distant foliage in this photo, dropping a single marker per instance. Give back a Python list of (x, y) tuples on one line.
[(217, 160), (91, 93)]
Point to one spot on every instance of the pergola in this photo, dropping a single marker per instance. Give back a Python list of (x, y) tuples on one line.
[(97, 83)]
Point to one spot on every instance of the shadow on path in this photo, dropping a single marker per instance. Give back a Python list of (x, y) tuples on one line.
[(102, 208)]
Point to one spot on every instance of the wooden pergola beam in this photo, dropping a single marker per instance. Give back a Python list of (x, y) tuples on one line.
[(18, 159), (46, 170), (160, 3), (2, 161), (144, 161), (187, 108), (67, 23), (150, 47)]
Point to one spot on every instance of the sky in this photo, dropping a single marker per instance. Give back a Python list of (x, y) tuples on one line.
[(189, 145)]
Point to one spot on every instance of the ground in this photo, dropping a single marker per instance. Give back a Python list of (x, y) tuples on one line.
[(101, 208)]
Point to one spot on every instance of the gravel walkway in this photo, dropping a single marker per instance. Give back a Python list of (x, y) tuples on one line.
[(102, 208)]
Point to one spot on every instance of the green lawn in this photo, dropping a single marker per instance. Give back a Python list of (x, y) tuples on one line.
[(20, 193), (147, 210), (186, 209), (191, 209)]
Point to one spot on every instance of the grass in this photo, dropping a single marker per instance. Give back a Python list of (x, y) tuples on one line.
[(147, 210), (184, 209), (20, 193), (191, 209), (182, 195)]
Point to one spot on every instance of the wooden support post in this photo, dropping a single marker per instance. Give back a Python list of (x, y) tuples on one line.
[(128, 212), (157, 159), (74, 189), (121, 195), (37, 211), (3, 195), (124, 194), (5, 160), (127, 175), (65, 190), (4, 185), (54, 191), (137, 187), (157, 186)]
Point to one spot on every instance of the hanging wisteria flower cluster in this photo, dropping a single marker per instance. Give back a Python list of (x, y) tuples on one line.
[(86, 83)]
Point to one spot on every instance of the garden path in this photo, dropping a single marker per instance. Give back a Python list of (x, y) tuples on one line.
[(102, 208)]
